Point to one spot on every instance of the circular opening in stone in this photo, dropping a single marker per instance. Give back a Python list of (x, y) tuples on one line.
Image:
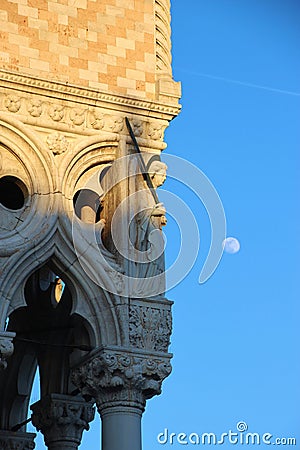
[(13, 193), (87, 205)]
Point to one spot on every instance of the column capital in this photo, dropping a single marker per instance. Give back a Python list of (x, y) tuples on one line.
[(6, 347), (121, 377), (62, 418), (10, 440)]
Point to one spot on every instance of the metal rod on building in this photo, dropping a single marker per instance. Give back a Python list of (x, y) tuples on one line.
[(20, 425), (141, 161)]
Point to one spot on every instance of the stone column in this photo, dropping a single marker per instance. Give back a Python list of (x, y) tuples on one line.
[(127, 421), (10, 440), (62, 419), (121, 381), (6, 347)]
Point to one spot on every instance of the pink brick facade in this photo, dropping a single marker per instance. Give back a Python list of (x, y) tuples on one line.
[(107, 45)]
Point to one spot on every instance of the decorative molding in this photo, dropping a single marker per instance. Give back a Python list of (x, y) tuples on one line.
[(88, 96), (150, 328), (62, 418), (6, 347), (121, 378), (16, 441), (51, 115), (163, 37), (167, 90)]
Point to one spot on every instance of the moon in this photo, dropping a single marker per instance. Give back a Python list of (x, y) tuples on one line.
[(231, 245)]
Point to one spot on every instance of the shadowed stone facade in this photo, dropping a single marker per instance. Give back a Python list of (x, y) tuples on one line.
[(74, 303)]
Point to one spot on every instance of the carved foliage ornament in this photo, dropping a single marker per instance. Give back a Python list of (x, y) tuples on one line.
[(150, 328), (115, 124), (35, 108), (56, 112), (77, 116), (58, 416), (97, 120), (155, 131), (57, 143), (92, 118), (16, 443), (137, 127), (116, 378), (12, 103)]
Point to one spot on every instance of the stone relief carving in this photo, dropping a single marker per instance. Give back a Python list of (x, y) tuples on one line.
[(37, 111), (57, 411), (150, 328), (56, 112), (114, 123), (97, 120), (16, 441), (35, 107), (12, 103), (114, 376), (155, 131), (6, 348), (137, 127), (57, 143), (61, 416), (77, 116)]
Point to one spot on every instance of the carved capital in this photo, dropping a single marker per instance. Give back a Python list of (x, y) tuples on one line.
[(121, 378), (6, 347), (16, 441), (62, 418)]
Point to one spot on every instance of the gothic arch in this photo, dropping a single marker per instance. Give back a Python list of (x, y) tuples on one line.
[(88, 300), (46, 233), (23, 155)]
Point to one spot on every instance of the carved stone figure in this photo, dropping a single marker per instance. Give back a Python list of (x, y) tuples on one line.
[(146, 234)]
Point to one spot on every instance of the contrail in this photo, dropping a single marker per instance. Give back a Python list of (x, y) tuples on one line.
[(241, 83)]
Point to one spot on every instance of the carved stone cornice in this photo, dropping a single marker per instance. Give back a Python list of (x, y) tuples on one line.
[(87, 96), (115, 377), (60, 121), (16, 440), (62, 418), (6, 347)]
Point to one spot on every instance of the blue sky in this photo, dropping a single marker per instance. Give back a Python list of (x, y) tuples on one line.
[(236, 337)]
